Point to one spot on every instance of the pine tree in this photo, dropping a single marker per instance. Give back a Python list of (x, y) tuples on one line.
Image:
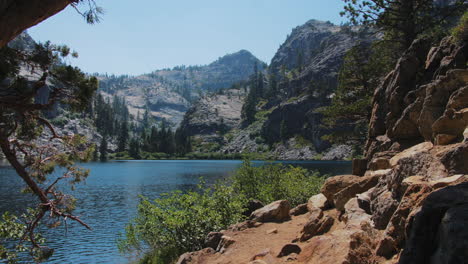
[(103, 149), (134, 148), (123, 137)]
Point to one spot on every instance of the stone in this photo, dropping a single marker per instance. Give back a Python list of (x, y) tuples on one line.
[(387, 247), (444, 182), (317, 201), (444, 139), (364, 200), (382, 209), (225, 243), (359, 167), (275, 212), (355, 215), (335, 184), (455, 160), (438, 231), (299, 210), (411, 152), (289, 249), (361, 185), (244, 225), (261, 254), (272, 231), (194, 257), (315, 227), (379, 164), (212, 240)]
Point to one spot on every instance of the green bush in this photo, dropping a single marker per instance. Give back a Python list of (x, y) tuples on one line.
[(178, 222), (460, 32), (274, 182)]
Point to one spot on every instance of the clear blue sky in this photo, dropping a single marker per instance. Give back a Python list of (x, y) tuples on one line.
[(140, 36)]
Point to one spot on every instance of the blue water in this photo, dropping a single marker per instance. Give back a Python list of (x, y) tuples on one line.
[(109, 198)]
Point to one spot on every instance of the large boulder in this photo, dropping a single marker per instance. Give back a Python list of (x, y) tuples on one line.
[(361, 185), (335, 184), (437, 232), (317, 201), (275, 212)]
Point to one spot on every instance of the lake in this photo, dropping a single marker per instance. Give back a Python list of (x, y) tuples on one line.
[(108, 199)]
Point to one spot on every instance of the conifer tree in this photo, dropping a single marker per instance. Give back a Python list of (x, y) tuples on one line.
[(103, 149)]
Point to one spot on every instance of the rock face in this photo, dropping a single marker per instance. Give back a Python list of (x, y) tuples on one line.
[(432, 83), (211, 117), (169, 93), (312, 56)]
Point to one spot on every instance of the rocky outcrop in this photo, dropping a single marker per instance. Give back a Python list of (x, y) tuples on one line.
[(423, 99), (211, 117)]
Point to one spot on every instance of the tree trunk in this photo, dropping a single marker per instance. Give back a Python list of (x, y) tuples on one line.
[(18, 15)]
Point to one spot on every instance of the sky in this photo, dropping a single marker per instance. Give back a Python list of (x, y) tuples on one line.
[(140, 36)]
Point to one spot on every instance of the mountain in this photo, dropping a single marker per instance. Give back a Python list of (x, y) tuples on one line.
[(169, 93), (305, 68)]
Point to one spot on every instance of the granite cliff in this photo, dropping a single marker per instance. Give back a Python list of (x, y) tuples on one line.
[(169, 93), (306, 68)]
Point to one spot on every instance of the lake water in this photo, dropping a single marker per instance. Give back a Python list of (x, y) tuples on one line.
[(108, 199)]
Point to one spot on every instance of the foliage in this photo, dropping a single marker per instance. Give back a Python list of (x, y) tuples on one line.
[(363, 68), (178, 222), (274, 182), (460, 32), (403, 21), (23, 124)]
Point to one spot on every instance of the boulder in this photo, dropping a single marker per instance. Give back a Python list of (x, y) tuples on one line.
[(438, 231), (315, 226), (317, 201), (359, 186), (335, 184), (355, 215), (455, 160), (289, 249), (212, 240), (275, 212), (225, 243), (444, 139), (382, 209), (299, 210), (379, 163), (364, 200)]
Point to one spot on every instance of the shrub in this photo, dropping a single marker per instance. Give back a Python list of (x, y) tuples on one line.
[(178, 222), (274, 182)]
